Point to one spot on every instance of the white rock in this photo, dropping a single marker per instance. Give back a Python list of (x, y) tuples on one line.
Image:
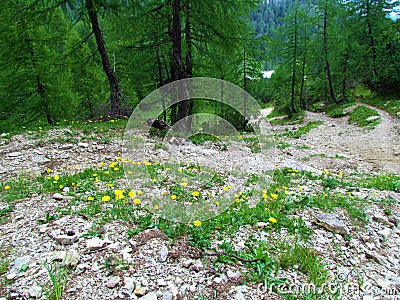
[(67, 239), (14, 154), (140, 291), (94, 243), (129, 286), (83, 145), (262, 224), (40, 159), (150, 296), (66, 146), (163, 254), (35, 291), (386, 233), (372, 118), (18, 263), (68, 258), (187, 263), (161, 282), (167, 296), (112, 282)]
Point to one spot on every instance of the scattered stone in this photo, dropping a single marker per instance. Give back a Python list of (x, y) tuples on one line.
[(68, 258), (187, 263), (64, 155), (372, 118), (68, 238), (331, 222), (60, 197), (197, 266), (112, 282), (376, 257), (129, 286), (140, 291), (14, 154), (163, 254), (66, 146), (381, 219), (386, 233), (394, 220), (150, 296), (35, 291), (83, 145), (262, 224), (232, 275), (40, 159), (20, 266), (161, 282), (167, 296), (95, 243)]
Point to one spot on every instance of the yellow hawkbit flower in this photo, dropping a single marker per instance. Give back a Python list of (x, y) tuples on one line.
[(132, 194), (119, 194), (136, 201), (105, 198), (274, 196), (140, 193), (7, 187), (184, 183), (195, 194), (90, 198), (197, 223), (227, 188), (173, 197), (272, 220)]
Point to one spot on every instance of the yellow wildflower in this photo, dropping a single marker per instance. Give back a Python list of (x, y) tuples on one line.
[(105, 198), (7, 187), (173, 197), (274, 196), (197, 223), (195, 194), (90, 198), (136, 201), (132, 194), (272, 220)]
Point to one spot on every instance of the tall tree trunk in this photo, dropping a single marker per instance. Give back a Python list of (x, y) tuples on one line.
[(371, 39), (115, 93), (178, 69), (161, 83), (244, 88), (303, 71), (327, 65), (292, 106), (344, 81), (189, 59)]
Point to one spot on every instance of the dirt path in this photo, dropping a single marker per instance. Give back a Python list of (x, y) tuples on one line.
[(338, 144)]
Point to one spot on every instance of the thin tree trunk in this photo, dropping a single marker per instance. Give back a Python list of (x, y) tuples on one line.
[(303, 71), (327, 65), (292, 106), (115, 92), (161, 83), (244, 88), (344, 81), (189, 59), (371, 39)]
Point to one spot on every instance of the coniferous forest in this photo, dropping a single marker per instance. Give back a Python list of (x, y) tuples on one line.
[(79, 60)]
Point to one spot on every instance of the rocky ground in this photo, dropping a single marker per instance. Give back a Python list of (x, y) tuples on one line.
[(362, 260)]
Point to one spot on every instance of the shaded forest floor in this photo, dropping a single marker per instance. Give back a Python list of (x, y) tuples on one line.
[(65, 234)]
